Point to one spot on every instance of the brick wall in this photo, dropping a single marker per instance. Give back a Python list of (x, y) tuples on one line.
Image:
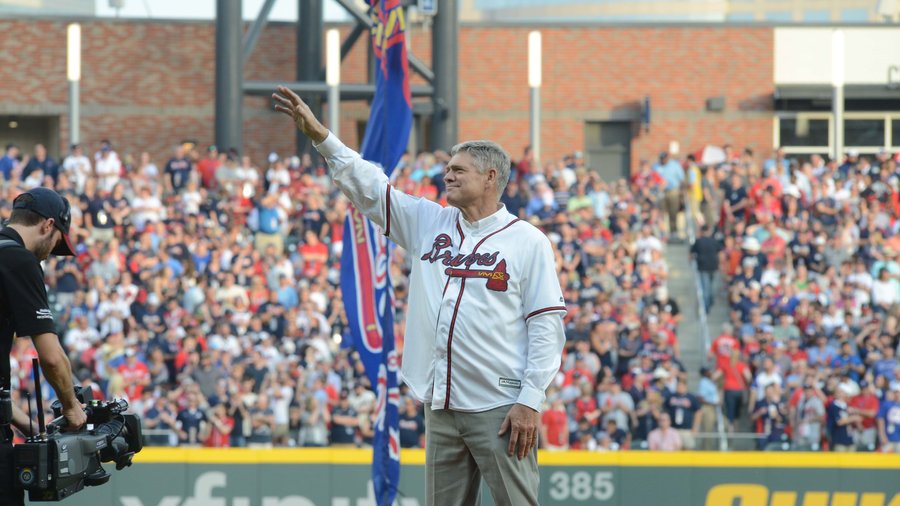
[(148, 85)]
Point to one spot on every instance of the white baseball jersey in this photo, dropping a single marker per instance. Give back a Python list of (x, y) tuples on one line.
[(484, 325)]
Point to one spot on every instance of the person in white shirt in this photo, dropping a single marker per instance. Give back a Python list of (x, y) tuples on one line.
[(278, 177), (884, 291), (81, 337), (191, 199), (78, 167), (146, 208), (765, 377), (484, 326), (108, 167)]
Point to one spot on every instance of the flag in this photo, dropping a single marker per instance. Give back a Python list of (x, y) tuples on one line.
[(365, 283)]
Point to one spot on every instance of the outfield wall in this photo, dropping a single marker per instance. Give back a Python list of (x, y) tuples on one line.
[(326, 477)]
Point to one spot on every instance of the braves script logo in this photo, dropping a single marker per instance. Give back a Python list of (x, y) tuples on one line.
[(440, 252)]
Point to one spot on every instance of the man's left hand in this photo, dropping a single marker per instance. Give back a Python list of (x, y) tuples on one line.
[(524, 423)]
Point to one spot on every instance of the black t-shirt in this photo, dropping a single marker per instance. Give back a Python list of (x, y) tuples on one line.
[(314, 219), (670, 305), (802, 251), (190, 423), (24, 309), (342, 434), (411, 428), (66, 282), (514, 203), (735, 196), (179, 171), (681, 409), (97, 208), (707, 250)]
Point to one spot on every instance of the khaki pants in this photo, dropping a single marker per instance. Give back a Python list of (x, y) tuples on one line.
[(708, 425), (673, 207), (687, 439), (263, 241), (844, 448), (461, 448)]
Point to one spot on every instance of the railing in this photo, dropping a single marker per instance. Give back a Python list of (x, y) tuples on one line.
[(159, 437), (705, 340)]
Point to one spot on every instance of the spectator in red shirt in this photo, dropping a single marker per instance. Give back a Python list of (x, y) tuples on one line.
[(135, 375), (555, 426), (737, 377), (866, 405), (722, 346), (220, 427), (795, 352), (774, 246), (314, 253), (586, 404), (207, 167)]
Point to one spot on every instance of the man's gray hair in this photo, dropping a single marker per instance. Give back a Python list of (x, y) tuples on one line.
[(487, 154)]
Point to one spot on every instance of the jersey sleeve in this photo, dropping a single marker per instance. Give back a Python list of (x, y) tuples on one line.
[(399, 215), (541, 292), (26, 296)]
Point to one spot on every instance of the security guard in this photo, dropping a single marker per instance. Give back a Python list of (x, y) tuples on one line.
[(38, 227)]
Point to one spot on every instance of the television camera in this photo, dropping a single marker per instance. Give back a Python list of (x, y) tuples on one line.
[(53, 464)]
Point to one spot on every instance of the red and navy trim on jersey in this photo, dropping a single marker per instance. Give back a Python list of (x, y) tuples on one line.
[(387, 212), (545, 310), (462, 288)]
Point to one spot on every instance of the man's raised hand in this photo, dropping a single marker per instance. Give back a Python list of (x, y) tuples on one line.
[(289, 103)]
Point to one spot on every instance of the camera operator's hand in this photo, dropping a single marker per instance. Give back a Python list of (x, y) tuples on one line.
[(76, 417)]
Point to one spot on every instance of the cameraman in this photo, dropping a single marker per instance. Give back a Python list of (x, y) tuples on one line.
[(37, 227)]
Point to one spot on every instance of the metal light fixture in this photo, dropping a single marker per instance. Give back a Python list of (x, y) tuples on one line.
[(333, 78), (534, 83), (73, 74)]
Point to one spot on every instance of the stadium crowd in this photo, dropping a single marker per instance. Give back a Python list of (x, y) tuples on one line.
[(205, 291), (809, 255)]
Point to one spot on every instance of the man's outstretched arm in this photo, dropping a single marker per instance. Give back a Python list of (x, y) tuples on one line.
[(287, 102), (364, 183)]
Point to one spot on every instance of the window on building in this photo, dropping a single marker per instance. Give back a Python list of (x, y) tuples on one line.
[(895, 132), (864, 132), (816, 16), (779, 16), (802, 132), (855, 15), (740, 17)]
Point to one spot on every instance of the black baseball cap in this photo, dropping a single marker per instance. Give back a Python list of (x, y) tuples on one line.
[(51, 205)]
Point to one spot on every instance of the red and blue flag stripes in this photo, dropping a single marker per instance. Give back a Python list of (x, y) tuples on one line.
[(365, 284)]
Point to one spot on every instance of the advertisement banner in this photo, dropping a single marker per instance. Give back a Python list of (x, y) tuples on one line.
[(343, 478)]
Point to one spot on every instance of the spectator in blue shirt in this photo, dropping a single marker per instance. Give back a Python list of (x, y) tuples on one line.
[(266, 220), (887, 366), (41, 161), (708, 395), (840, 420), (848, 362), (822, 353), (8, 162), (771, 415), (673, 174), (684, 409), (161, 417), (889, 420), (287, 294), (178, 168)]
